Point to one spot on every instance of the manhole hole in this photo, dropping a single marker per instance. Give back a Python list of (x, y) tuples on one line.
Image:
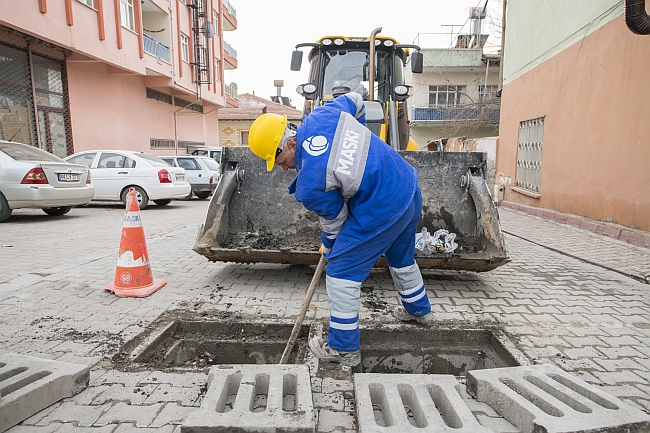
[(191, 344), (415, 350)]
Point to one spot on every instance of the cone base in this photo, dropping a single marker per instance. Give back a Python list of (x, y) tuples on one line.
[(139, 292)]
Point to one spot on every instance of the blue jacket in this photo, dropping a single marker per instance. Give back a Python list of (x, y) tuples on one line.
[(357, 184)]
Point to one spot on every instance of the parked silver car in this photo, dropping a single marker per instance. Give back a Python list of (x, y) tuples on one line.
[(33, 178), (202, 172)]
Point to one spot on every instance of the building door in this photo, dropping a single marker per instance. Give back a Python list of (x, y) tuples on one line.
[(34, 105)]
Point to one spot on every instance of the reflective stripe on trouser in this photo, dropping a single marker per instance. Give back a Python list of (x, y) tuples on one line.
[(410, 287), (346, 273), (343, 331)]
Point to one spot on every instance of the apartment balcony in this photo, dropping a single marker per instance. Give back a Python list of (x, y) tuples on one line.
[(483, 113), (155, 48), (229, 55), (229, 22), (232, 100)]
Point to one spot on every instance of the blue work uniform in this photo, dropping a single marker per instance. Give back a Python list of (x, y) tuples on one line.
[(368, 201)]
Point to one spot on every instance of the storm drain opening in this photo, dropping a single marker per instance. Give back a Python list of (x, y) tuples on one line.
[(415, 350), (196, 344)]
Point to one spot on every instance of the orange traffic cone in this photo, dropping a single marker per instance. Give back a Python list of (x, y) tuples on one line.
[(133, 273)]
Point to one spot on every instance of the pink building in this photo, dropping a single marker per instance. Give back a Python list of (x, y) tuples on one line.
[(575, 109), (142, 75)]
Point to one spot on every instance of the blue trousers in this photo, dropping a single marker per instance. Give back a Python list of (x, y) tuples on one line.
[(346, 273)]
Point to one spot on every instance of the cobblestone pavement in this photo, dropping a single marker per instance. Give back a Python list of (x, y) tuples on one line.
[(600, 250), (590, 321)]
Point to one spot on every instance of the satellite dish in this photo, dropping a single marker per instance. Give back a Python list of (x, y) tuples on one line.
[(208, 29)]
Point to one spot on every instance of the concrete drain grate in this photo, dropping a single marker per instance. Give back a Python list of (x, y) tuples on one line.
[(412, 403), (29, 385), (251, 398), (546, 399)]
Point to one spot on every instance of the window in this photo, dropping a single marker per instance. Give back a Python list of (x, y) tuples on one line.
[(188, 164), (244, 137), (447, 95), (485, 93), (183, 103), (185, 50), (156, 143), (529, 154), (83, 159), (169, 161), (215, 21), (202, 57), (211, 164), (90, 3), (217, 69), (159, 96), (126, 14), (114, 160)]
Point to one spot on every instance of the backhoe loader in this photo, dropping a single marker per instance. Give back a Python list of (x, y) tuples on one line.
[(251, 217)]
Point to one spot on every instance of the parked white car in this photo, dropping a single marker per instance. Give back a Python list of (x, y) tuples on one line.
[(211, 152), (33, 178), (115, 171), (202, 172)]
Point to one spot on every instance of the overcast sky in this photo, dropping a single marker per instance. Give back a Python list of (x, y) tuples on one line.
[(267, 32)]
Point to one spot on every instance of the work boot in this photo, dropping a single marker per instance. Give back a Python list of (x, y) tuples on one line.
[(401, 314), (324, 352)]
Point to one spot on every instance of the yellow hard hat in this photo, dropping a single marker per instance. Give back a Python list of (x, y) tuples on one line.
[(265, 135)]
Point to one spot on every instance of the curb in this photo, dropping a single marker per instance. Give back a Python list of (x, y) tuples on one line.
[(635, 237)]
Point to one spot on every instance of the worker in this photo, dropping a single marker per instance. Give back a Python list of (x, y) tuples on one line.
[(357, 87), (368, 202)]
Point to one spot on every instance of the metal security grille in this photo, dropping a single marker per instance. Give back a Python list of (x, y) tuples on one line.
[(33, 80), (156, 143), (529, 154)]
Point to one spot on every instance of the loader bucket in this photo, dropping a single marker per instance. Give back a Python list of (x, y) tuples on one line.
[(252, 218)]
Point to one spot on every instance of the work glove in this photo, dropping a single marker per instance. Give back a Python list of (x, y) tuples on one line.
[(324, 250)]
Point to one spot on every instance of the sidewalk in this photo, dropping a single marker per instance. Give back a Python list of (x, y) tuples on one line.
[(600, 250)]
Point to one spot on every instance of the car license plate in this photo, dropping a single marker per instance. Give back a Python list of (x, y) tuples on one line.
[(180, 177), (68, 177)]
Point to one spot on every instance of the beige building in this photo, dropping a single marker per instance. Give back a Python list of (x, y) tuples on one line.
[(142, 75), (574, 111), (455, 95), (234, 123)]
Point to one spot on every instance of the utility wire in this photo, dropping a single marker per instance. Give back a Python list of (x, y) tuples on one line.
[(450, 46)]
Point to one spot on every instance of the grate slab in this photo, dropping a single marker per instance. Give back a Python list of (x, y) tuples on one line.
[(255, 398), (29, 385), (543, 398), (403, 403)]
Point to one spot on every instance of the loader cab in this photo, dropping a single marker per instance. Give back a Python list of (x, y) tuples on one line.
[(338, 63)]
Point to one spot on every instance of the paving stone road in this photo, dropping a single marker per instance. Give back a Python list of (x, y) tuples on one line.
[(590, 321)]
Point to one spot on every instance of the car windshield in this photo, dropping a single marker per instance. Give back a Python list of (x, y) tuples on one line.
[(153, 160), (211, 163), (23, 152)]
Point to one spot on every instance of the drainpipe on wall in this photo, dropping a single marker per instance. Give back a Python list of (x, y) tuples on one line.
[(503, 43), (636, 17)]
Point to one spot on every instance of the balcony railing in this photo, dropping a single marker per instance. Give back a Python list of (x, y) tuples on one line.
[(229, 49), (231, 10), (155, 48), (231, 91), (484, 113)]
